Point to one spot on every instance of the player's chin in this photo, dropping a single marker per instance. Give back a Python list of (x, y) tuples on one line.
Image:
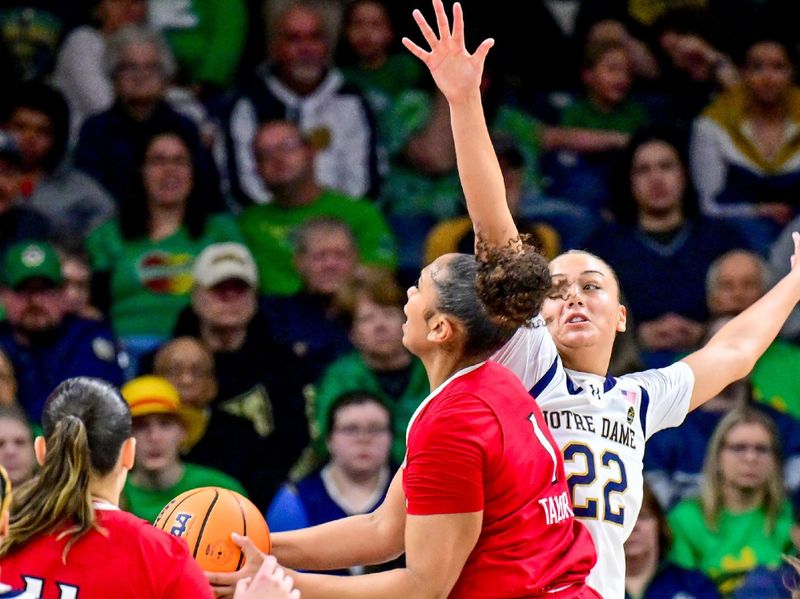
[(576, 338)]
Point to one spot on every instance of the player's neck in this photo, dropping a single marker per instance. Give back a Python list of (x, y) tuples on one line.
[(586, 359), (107, 489), (442, 366)]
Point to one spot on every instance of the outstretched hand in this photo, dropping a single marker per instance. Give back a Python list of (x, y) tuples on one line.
[(270, 582), (224, 583), (795, 259), (456, 72)]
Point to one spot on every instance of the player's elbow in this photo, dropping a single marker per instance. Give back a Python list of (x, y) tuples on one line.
[(389, 537)]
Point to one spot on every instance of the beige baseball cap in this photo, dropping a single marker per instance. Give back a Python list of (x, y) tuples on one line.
[(222, 261)]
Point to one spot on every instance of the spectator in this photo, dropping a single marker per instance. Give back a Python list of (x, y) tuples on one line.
[(648, 573), (159, 474), (80, 71), (355, 478), (299, 83), (17, 222), (742, 518), (607, 75), (141, 66), (45, 345), (743, 153), (380, 365), (77, 274), (16, 445), (72, 202), (736, 280), (370, 59), (189, 366), (206, 37), (258, 381), (142, 261), (286, 165), (657, 222), (326, 259)]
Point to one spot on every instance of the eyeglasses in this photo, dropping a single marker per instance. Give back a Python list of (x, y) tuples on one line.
[(289, 145), (195, 372), (740, 449), (353, 430), (133, 68), (168, 160)]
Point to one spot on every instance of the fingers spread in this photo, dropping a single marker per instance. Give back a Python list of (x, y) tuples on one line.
[(441, 20), (426, 30), (458, 25), (415, 49)]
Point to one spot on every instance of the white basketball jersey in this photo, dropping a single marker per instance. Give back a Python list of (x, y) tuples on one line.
[(600, 424)]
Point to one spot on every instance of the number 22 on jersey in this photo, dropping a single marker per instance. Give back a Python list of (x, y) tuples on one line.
[(616, 483)]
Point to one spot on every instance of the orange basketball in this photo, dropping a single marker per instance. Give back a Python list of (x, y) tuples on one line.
[(206, 517)]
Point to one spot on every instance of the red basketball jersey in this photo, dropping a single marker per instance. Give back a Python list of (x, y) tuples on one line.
[(479, 442), (131, 560)]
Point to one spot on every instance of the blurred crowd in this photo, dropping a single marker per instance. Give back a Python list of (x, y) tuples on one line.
[(218, 204)]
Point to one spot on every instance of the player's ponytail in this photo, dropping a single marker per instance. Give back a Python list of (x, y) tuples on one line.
[(85, 422), (494, 293)]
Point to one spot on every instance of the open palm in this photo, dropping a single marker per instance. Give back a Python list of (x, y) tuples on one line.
[(457, 73)]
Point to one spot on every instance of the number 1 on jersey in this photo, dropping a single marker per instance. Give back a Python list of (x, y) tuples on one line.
[(548, 447)]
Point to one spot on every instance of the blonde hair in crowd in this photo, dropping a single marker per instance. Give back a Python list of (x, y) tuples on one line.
[(711, 493)]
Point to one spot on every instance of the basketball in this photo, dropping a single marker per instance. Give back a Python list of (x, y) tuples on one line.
[(206, 517)]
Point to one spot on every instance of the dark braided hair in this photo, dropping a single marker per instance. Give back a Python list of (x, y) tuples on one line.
[(494, 293)]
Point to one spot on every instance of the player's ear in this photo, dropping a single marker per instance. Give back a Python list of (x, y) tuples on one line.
[(440, 329), (622, 319), (40, 449), (127, 455)]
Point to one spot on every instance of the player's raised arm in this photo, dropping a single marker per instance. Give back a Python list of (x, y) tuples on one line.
[(731, 354), (457, 74)]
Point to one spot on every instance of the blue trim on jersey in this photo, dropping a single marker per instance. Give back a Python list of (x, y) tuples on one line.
[(542, 383), (608, 385), (643, 410)]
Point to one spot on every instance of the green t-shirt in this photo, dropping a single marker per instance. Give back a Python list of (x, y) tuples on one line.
[(269, 231), (151, 280), (350, 373), (627, 117), (206, 36), (147, 503), (775, 378), (740, 544)]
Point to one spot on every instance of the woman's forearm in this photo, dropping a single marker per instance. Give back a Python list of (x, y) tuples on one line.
[(354, 541), (480, 174)]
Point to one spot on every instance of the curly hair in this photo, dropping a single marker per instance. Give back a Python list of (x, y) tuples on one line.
[(494, 293)]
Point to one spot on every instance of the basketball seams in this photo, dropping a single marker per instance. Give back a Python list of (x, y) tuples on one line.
[(174, 509), (203, 525), (240, 563)]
